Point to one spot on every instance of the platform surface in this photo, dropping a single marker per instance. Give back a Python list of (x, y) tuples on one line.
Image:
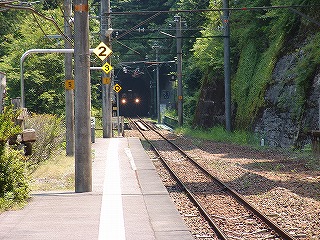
[(128, 201)]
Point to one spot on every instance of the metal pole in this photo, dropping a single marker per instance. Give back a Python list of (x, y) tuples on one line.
[(227, 82), (24, 56), (179, 69), (106, 88), (83, 162), (3, 84), (118, 114), (319, 115), (158, 84), (69, 94)]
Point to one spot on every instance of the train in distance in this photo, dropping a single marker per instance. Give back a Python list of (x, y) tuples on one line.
[(132, 103)]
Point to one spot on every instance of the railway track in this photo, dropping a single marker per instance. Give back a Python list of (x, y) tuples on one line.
[(227, 212)]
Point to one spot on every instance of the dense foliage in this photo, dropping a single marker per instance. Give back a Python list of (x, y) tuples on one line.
[(258, 39), (7, 126), (15, 168), (14, 186), (50, 138), (43, 73)]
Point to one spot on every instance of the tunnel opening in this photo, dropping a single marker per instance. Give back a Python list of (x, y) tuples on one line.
[(134, 97), (138, 95)]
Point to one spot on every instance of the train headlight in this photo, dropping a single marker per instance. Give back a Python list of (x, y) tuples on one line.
[(137, 100), (123, 101)]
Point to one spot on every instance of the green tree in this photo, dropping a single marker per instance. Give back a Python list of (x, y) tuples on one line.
[(257, 41), (43, 73), (14, 186), (7, 126)]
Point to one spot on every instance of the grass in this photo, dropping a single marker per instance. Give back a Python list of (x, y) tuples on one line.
[(57, 174), (52, 175), (219, 134)]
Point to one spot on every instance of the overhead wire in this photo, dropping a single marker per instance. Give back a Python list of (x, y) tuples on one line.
[(138, 25), (7, 2), (157, 37), (68, 22), (9, 5), (37, 22), (212, 10), (131, 30), (124, 45)]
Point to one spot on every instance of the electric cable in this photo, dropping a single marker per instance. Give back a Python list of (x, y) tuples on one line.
[(37, 22), (213, 10), (32, 10), (68, 22), (138, 25)]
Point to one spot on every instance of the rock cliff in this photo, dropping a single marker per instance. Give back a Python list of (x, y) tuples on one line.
[(280, 123)]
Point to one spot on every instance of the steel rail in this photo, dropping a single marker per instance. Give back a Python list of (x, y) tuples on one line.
[(219, 232), (284, 234)]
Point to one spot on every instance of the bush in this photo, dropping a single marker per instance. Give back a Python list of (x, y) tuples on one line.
[(7, 126), (50, 137), (14, 186)]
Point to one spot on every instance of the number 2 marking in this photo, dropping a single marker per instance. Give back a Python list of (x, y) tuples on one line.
[(102, 53)]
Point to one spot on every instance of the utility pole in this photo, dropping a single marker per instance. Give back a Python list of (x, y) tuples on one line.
[(156, 47), (177, 19), (227, 81), (83, 162), (69, 92), (319, 114), (3, 84), (106, 78)]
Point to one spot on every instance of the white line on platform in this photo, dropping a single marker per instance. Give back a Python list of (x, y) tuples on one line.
[(111, 217), (132, 163)]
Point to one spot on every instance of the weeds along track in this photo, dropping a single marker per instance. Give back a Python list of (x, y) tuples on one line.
[(226, 212)]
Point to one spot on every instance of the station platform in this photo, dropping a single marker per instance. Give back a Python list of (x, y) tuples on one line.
[(128, 201)]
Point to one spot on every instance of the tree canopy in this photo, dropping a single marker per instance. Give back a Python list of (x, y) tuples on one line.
[(258, 37)]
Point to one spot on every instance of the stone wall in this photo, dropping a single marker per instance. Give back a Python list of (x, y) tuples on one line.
[(210, 107), (281, 123)]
